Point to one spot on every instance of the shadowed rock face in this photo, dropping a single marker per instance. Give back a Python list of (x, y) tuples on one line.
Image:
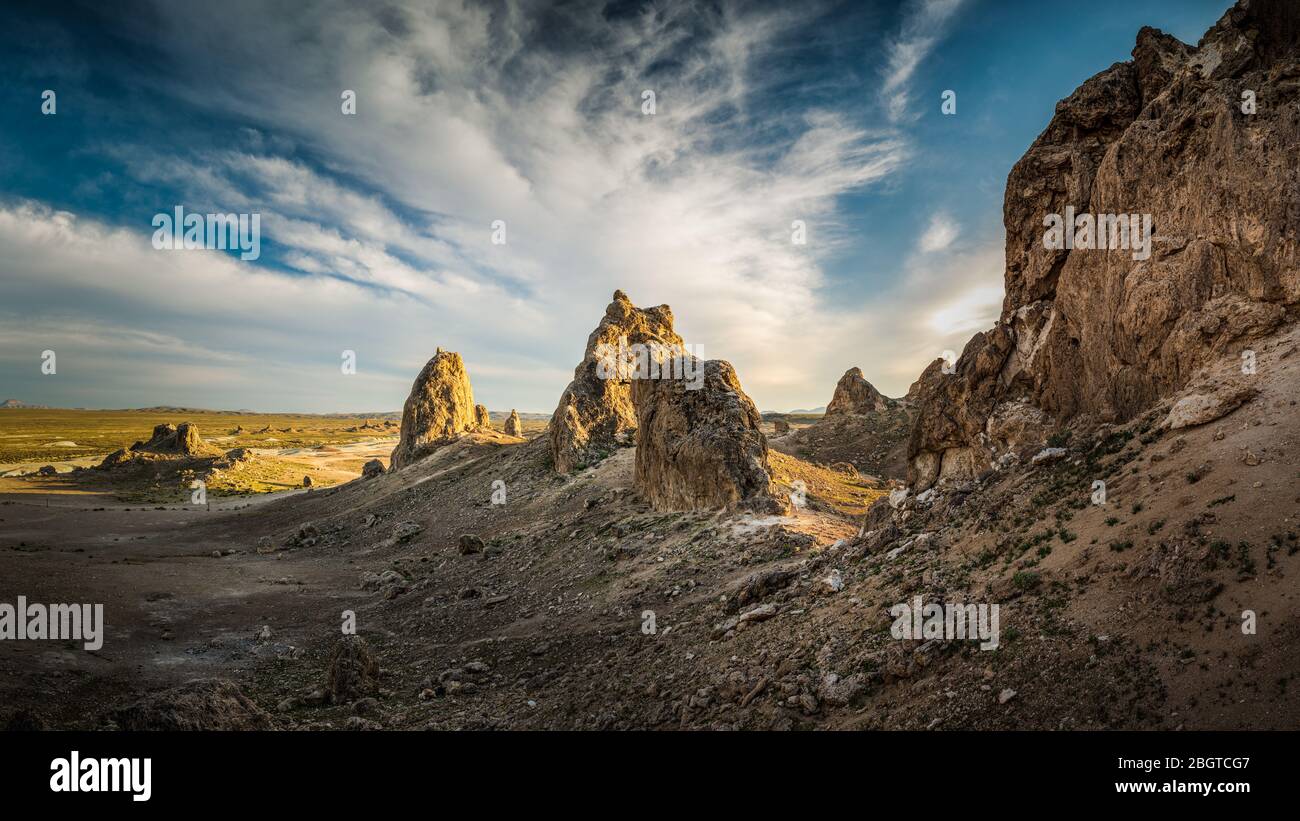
[(514, 427), (854, 394), (1106, 333), (701, 449), (481, 418), (440, 407), (595, 415), (197, 705)]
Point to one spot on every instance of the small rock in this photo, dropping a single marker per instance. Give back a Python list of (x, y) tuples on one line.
[(406, 530), (470, 544)]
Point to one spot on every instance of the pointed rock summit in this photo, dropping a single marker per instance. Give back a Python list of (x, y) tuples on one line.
[(854, 394), (481, 418), (514, 427), (595, 415), (440, 408), (701, 448)]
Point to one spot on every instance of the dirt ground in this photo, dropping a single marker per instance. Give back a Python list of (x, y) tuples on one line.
[(584, 609)]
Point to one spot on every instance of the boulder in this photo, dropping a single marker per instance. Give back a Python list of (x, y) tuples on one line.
[(595, 414), (353, 671), (372, 469), (781, 426), (482, 420), (470, 543), (440, 408), (1200, 408), (701, 448)]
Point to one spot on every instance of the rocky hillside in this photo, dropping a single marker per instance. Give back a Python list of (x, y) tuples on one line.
[(861, 427)]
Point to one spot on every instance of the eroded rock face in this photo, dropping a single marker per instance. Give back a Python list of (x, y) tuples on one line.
[(595, 414), (440, 408), (514, 427), (854, 394), (481, 418), (702, 448), (1105, 333)]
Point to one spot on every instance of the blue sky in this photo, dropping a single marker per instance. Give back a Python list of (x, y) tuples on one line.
[(376, 228)]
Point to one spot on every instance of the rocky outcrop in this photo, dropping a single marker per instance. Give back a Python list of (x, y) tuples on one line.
[(701, 448), (595, 414), (482, 420), (353, 670), (440, 408), (514, 427), (175, 440), (854, 394), (209, 705), (1104, 333)]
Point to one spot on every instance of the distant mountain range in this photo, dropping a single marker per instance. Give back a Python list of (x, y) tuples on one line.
[(17, 403)]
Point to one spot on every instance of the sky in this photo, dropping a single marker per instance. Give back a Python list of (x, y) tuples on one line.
[(377, 227)]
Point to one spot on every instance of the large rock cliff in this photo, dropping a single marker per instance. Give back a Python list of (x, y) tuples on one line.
[(1206, 142)]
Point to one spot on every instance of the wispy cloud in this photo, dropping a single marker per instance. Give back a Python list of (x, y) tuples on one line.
[(378, 227), (940, 234), (922, 29)]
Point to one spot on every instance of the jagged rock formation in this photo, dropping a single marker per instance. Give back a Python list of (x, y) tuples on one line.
[(1106, 333), (175, 440), (440, 407), (854, 394), (514, 427), (701, 448), (595, 413), (482, 420)]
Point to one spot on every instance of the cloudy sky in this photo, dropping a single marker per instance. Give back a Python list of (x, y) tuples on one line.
[(377, 227)]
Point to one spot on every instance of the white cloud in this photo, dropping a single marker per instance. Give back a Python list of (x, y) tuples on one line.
[(940, 234), (921, 30), (384, 218)]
